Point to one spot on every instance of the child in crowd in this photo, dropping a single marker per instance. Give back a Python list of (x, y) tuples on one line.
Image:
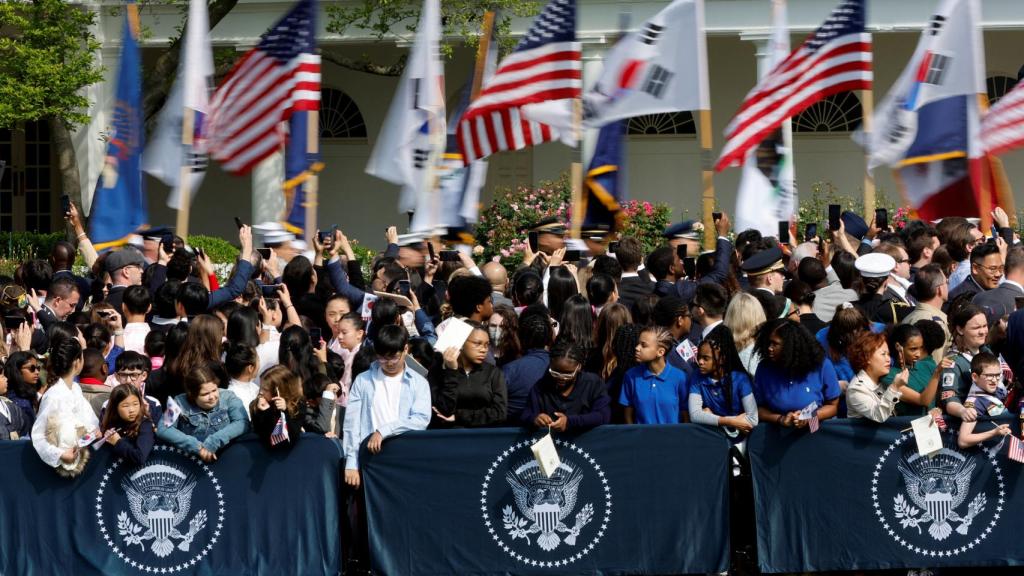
[(280, 393), (242, 364), (210, 418), (134, 368), (654, 392), (14, 424), (721, 393), (986, 396), (127, 425), (65, 416), (155, 347)]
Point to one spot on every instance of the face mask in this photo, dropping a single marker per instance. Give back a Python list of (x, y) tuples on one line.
[(495, 332)]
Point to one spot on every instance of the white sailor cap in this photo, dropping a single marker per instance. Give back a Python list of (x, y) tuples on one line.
[(875, 265)]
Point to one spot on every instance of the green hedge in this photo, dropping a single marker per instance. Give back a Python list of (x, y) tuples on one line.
[(219, 250), (23, 246)]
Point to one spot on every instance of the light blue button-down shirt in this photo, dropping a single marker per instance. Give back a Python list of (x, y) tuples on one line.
[(413, 410)]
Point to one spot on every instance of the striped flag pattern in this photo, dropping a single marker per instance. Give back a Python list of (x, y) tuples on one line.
[(1016, 452), (277, 77), (813, 424), (836, 58), (1002, 129), (940, 422), (280, 432), (545, 66)]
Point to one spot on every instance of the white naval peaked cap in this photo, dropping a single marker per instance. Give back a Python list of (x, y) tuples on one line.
[(875, 265)]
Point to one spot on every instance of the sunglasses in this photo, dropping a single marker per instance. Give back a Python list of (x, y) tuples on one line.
[(32, 368)]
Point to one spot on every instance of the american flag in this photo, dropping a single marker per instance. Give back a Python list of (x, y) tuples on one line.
[(545, 66), (814, 423), (280, 432), (277, 77), (836, 58), (1002, 129), (1016, 452), (940, 422)]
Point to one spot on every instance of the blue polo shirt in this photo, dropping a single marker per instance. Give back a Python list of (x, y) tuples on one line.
[(655, 399), (713, 395), (777, 391)]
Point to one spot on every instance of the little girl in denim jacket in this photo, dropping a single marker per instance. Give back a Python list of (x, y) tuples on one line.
[(205, 418)]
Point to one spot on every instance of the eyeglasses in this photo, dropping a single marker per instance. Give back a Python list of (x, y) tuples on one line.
[(903, 261), (992, 269), (992, 377), (31, 368), (562, 375), (389, 360), (126, 377)]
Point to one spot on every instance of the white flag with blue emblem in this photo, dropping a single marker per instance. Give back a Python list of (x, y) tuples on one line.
[(166, 154), (661, 68), (413, 137)]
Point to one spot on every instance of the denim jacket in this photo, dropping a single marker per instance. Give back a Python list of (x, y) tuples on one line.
[(413, 410), (211, 429)]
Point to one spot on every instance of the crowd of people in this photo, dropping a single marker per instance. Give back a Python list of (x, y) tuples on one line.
[(865, 323)]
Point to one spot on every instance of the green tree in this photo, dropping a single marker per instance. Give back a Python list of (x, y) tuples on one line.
[(461, 20), (47, 57)]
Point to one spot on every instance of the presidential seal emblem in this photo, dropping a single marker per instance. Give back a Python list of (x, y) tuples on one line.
[(940, 505), (157, 517), (546, 521)]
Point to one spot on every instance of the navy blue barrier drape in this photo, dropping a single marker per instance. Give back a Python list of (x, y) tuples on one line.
[(856, 496), (626, 499), (250, 512)]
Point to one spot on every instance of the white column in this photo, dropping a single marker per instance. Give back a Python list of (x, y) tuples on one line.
[(593, 62), (762, 45), (267, 194)]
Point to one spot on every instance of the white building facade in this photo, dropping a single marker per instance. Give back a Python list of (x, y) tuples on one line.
[(663, 156)]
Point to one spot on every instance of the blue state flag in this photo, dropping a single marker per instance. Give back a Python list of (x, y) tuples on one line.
[(604, 187), (299, 166), (119, 204)]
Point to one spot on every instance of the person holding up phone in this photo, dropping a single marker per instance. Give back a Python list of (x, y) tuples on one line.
[(550, 235), (686, 235)]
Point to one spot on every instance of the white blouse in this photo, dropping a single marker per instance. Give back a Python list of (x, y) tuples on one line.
[(68, 404)]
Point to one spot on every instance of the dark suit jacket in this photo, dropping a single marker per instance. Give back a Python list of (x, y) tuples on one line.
[(635, 287), (1002, 298)]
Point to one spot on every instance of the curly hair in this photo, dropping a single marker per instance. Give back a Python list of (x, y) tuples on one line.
[(848, 322), (863, 348), (800, 353)]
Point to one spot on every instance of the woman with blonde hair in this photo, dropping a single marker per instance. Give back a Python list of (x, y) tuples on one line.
[(743, 317)]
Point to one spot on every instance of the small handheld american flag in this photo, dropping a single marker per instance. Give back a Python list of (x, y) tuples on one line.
[(940, 422), (814, 423), (280, 433), (810, 414), (1016, 452)]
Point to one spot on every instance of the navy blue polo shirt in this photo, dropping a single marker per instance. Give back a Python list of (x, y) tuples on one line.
[(655, 399)]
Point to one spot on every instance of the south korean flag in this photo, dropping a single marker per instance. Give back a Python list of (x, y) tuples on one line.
[(660, 68)]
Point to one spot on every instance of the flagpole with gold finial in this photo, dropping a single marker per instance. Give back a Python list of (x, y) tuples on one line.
[(577, 169)]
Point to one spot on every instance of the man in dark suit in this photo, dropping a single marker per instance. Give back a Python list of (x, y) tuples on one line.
[(634, 284), (1003, 298), (61, 300)]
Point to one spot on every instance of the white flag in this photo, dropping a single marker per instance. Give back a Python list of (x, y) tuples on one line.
[(767, 192), (413, 136), (166, 155), (949, 62), (663, 67)]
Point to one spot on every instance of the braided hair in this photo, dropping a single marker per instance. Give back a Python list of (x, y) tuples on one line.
[(726, 357)]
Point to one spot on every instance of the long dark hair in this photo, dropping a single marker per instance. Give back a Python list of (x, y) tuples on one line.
[(801, 353), (16, 385), (111, 419), (296, 353), (726, 357), (243, 327), (561, 286), (577, 322), (63, 357)]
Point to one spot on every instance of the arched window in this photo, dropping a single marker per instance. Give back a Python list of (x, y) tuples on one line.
[(998, 86), (339, 116), (672, 123), (837, 113)]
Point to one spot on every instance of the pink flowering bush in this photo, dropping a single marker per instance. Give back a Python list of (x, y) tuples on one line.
[(645, 222), (502, 230)]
